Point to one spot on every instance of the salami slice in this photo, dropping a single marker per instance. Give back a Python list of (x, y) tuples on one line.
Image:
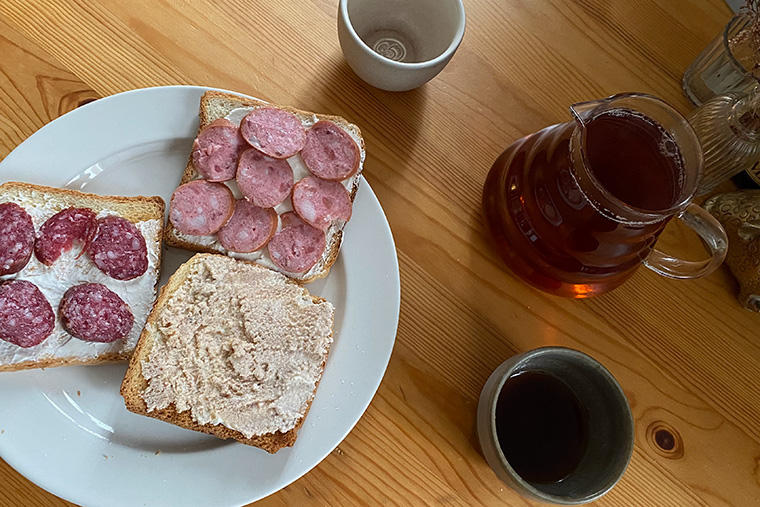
[(249, 229), (318, 202), (274, 132), (200, 208), (265, 181), (330, 152), (26, 317), (94, 313), (297, 246), (118, 249), (16, 238), (216, 150), (59, 232)]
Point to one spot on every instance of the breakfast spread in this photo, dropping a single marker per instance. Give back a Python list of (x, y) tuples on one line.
[(300, 171), (234, 346), (232, 349), (84, 296)]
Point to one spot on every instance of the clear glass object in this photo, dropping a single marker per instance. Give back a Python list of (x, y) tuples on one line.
[(550, 208), (728, 128), (726, 65)]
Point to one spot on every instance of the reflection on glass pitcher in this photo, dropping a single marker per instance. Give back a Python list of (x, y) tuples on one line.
[(575, 208)]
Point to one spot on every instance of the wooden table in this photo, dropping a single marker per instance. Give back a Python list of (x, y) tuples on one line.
[(686, 354)]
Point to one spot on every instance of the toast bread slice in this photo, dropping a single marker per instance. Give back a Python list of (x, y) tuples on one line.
[(215, 105), (42, 202), (135, 384)]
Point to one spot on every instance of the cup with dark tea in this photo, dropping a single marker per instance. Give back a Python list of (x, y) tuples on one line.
[(576, 208), (555, 426)]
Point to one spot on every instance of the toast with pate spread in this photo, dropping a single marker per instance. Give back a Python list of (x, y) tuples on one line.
[(78, 274), (266, 183), (232, 349)]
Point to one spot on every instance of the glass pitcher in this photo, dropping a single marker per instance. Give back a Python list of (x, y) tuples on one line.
[(575, 208)]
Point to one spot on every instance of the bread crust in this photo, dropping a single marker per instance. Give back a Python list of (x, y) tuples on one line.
[(135, 384), (134, 209), (231, 101)]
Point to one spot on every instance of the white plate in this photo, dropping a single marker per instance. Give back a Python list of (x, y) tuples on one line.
[(66, 429)]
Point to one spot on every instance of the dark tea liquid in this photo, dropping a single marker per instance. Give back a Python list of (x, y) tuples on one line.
[(543, 225), (541, 426)]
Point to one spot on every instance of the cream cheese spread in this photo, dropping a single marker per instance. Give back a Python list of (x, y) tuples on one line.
[(238, 345), (68, 271), (300, 171)]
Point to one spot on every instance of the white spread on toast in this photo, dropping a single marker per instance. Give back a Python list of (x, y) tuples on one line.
[(68, 271), (238, 345), (300, 171)]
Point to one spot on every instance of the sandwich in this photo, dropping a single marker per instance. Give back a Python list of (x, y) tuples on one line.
[(78, 274), (232, 349), (269, 184)]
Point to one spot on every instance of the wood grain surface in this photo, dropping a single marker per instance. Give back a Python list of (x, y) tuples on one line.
[(686, 354)]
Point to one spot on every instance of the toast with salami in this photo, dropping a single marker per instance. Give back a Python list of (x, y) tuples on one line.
[(78, 274), (232, 349), (269, 184)]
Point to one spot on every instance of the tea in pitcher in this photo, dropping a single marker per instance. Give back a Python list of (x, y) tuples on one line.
[(563, 204), (635, 160)]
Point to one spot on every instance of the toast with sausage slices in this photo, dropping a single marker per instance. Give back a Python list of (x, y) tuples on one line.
[(74, 298), (243, 228)]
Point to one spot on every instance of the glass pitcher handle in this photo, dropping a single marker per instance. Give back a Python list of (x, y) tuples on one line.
[(713, 236)]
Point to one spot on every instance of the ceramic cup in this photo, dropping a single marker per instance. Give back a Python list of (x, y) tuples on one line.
[(399, 45), (610, 434)]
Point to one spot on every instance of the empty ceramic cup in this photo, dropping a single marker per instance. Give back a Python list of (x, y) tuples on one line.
[(555, 426), (399, 45)]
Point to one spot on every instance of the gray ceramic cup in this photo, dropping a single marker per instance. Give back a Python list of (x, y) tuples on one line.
[(610, 425), (398, 45)]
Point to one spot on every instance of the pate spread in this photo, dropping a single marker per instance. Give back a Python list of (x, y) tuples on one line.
[(238, 345)]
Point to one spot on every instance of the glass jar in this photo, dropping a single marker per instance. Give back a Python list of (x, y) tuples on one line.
[(726, 65), (728, 128), (575, 208)]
